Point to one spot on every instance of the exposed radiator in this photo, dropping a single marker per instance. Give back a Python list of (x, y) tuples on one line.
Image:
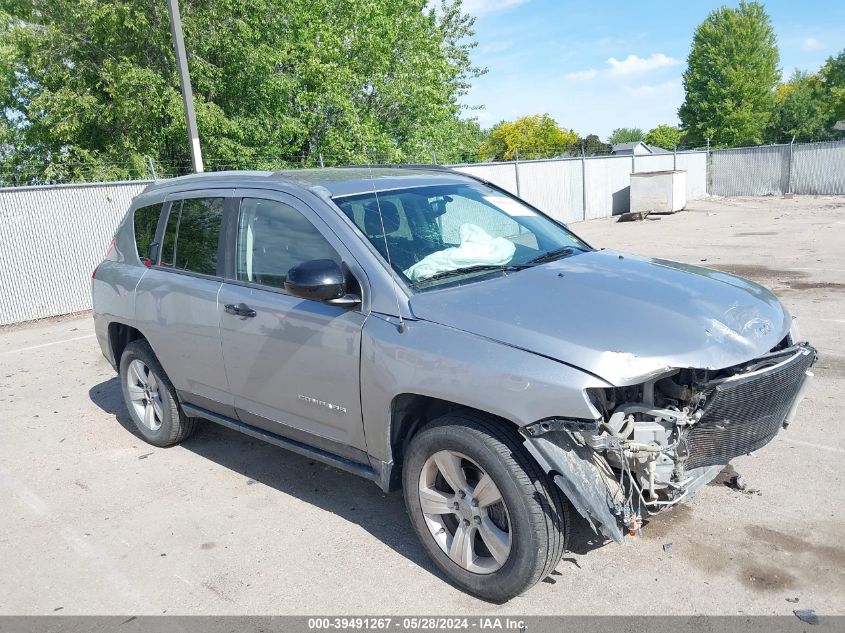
[(746, 411)]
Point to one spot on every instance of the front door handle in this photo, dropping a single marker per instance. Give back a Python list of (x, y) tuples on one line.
[(240, 309)]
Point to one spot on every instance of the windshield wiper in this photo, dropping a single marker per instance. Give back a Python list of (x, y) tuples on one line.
[(555, 254), (469, 269)]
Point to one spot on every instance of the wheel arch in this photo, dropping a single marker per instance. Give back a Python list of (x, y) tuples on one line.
[(409, 413), (120, 335)]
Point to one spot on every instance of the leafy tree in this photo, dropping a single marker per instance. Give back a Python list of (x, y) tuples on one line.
[(535, 136), (593, 146), (88, 88), (731, 73), (665, 136), (801, 110), (625, 135), (832, 76), (462, 139)]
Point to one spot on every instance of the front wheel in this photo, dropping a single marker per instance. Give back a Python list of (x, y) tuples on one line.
[(488, 516)]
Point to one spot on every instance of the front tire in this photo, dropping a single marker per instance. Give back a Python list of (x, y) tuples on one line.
[(151, 398), (485, 512)]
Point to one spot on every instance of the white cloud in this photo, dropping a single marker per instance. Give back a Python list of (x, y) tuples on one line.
[(811, 44), (631, 65), (581, 75), (480, 7), (634, 64)]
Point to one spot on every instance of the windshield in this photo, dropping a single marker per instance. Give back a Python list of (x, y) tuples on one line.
[(458, 232)]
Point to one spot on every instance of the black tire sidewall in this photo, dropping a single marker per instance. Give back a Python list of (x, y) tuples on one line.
[(527, 552), (162, 435)]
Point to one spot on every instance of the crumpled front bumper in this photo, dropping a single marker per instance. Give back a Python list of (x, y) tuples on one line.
[(743, 414)]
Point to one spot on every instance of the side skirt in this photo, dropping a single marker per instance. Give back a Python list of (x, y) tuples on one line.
[(362, 470)]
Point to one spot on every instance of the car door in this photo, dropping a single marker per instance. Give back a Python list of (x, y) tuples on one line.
[(292, 364), (176, 300)]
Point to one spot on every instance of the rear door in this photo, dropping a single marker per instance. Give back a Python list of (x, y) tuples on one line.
[(176, 300), (293, 366)]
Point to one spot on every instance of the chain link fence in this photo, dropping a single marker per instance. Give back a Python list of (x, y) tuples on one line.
[(52, 236), (802, 168)]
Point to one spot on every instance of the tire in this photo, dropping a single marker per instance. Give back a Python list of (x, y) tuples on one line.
[(535, 521), (153, 394)]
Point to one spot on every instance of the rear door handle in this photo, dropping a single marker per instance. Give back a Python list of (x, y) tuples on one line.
[(240, 309)]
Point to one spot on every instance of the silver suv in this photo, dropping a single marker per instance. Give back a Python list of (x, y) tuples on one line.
[(426, 329)]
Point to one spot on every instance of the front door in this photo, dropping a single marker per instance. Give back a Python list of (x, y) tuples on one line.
[(292, 364)]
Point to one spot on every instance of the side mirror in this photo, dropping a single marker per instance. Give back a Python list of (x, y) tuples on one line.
[(319, 280)]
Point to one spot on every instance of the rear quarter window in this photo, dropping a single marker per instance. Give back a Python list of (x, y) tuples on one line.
[(145, 222)]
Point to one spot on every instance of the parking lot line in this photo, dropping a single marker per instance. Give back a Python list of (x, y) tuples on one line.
[(32, 347), (821, 447)]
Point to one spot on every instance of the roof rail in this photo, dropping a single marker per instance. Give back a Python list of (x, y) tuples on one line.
[(431, 167)]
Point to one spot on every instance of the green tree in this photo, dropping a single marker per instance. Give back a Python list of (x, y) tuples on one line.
[(665, 136), (625, 135), (801, 110), (593, 146), (732, 70), (832, 76), (534, 136), (88, 88)]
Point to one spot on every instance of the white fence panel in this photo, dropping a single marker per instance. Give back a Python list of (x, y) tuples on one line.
[(554, 187), (500, 174), (608, 186), (654, 162), (51, 238), (695, 164)]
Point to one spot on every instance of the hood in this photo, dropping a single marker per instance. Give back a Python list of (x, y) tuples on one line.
[(621, 317)]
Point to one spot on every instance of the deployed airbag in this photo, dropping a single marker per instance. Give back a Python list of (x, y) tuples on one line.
[(477, 247)]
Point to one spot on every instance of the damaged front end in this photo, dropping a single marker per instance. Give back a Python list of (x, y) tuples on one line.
[(657, 442)]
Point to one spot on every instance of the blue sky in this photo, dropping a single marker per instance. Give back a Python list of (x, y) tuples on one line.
[(596, 66)]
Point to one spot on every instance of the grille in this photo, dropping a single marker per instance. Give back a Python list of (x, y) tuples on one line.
[(744, 413)]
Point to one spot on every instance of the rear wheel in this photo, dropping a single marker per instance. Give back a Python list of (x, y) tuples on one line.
[(488, 516), (151, 398)]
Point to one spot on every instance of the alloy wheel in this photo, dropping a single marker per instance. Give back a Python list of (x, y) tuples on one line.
[(145, 399), (465, 512)]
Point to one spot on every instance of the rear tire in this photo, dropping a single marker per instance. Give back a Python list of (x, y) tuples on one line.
[(526, 525), (151, 398)]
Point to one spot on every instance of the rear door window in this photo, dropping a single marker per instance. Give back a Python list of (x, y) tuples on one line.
[(146, 222), (192, 235)]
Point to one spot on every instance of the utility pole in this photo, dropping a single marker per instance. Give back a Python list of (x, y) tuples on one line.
[(185, 81), (583, 180), (151, 167), (789, 170)]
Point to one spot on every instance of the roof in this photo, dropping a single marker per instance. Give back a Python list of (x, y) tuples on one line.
[(626, 148), (636, 148), (339, 181)]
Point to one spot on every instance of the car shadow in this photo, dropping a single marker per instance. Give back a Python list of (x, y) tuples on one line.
[(353, 498)]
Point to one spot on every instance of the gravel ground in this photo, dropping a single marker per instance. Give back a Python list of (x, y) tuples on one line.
[(95, 521)]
